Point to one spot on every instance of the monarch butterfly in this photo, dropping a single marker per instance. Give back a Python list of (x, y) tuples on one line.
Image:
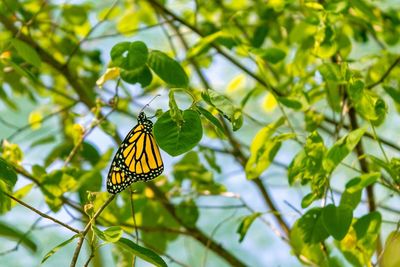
[(138, 158)]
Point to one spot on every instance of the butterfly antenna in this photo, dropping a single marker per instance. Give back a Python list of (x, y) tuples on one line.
[(148, 104)]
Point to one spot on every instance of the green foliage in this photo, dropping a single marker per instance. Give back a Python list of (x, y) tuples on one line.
[(225, 107), (341, 149), (337, 220), (27, 52), (168, 69), (177, 138), (390, 256), (312, 84), (264, 148), (143, 253), (311, 226), (110, 235), (8, 178), (245, 224), (58, 247), (359, 244)]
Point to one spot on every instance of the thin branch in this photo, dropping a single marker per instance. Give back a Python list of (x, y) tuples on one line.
[(197, 234), (44, 215), (237, 153), (45, 118), (384, 76), (86, 230), (230, 58), (76, 48)]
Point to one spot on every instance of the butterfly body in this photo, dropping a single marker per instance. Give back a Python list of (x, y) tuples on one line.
[(138, 158)]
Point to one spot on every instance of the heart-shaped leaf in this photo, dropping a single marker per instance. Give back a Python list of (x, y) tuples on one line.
[(337, 220), (178, 138)]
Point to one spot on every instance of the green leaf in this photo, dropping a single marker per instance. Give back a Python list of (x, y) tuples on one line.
[(168, 69), (272, 55), (262, 156), (28, 53), (7, 174), (359, 183), (367, 103), (54, 185), (211, 118), (188, 212), (311, 226), (57, 248), (341, 149), (9, 232), (260, 33), (368, 224), (108, 127), (143, 253), (43, 141), (365, 9), (74, 14), (141, 75), (174, 111), (192, 169), (111, 234), (22, 192), (225, 107), (8, 178), (307, 164), (205, 43), (351, 200), (245, 224), (394, 94), (119, 55), (308, 200), (313, 252), (137, 55), (391, 255), (177, 139), (337, 220), (263, 149), (290, 102)]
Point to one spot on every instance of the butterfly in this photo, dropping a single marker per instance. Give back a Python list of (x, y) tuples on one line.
[(138, 158)]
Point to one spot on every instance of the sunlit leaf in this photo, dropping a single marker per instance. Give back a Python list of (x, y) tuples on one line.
[(110, 74), (111, 234), (57, 248), (168, 69), (245, 225), (143, 253), (342, 148), (27, 52)]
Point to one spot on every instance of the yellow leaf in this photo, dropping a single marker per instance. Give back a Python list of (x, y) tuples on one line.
[(148, 193), (35, 120), (236, 84), (269, 103), (5, 55), (276, 4), (77, 133), (12, 152), (110, 74), (128, 23)]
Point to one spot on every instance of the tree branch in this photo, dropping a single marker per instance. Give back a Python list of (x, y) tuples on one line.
[(44, 215), (86, 230), (195, 232), (384, 76), (365, 168), (230, 58)]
